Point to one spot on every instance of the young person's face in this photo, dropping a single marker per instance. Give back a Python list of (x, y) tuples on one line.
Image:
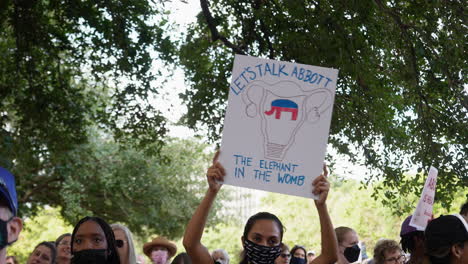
[(40, 255), (349, 239), (265, 232), (159, 255), (284, 258), (63, 248), (122, 247), (394, 257), (89, 236), (300, 253)]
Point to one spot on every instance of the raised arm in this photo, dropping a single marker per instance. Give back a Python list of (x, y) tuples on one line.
[(329, 241), (193, 233)]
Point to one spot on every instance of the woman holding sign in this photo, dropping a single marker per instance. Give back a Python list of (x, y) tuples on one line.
[(263, 232)]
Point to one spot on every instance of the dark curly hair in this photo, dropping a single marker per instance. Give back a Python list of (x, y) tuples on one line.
[(407, 240)]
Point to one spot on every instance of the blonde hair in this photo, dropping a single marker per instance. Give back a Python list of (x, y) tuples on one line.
[(129, 236), (341, 231)]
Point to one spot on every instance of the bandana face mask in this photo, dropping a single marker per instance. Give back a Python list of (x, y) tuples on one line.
[(258, 254)]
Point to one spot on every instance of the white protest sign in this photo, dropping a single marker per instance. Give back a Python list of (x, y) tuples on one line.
[(423, 212), (276, 125)]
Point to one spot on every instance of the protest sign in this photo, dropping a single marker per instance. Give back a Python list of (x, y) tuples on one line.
[(276, 124), (423, 212)]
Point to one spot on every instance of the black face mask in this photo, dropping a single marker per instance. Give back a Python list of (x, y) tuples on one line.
[(4, 233), (92, 256), (295, 260), (352, 253)]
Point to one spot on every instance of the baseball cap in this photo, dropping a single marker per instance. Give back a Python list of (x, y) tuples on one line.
[(445, 231), (406, 228), (8, 190), (310, 252)]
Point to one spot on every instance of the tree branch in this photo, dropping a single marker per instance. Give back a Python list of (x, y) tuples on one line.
[(267, 37), (44, 183), (214, 31)]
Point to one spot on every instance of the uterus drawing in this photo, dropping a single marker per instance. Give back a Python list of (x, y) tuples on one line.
[(283, 108)]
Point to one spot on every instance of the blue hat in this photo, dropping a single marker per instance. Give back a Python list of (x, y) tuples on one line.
[(8, 190)]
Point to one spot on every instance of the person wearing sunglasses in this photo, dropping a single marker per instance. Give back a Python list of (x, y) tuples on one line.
[(388, 251), (124, 243), (62, 244), (285, 255)]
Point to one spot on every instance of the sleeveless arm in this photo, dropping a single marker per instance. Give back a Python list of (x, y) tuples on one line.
[(329, 242), (194, 231)]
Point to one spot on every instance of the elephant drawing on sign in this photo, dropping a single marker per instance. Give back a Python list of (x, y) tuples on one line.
[(283, 105), (283, 108)]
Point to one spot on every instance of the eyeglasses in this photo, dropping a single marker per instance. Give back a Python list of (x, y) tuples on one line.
[(399, 259), (119, 243), (283, 255)]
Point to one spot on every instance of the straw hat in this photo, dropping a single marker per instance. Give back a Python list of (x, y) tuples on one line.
[(162, 242)]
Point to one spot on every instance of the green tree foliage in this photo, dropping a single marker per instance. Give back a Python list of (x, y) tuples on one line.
[(58, 60), (148, 195), (400, 101), (68, 67), (58, 56)]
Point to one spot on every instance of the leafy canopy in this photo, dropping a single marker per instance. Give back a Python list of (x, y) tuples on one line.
[(400, 101), (77, 127)]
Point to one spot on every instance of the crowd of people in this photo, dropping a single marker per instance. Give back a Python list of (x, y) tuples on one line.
[(93, 240)]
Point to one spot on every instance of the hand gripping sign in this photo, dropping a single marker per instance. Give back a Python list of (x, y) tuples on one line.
[(276, 125)]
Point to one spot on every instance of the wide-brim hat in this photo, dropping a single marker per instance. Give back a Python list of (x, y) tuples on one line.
[(162, 242)]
